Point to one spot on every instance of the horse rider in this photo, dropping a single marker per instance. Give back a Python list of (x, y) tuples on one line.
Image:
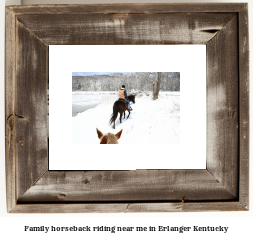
[(123, 96)]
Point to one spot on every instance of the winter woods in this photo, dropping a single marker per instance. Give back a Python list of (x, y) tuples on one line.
[(170, 81)]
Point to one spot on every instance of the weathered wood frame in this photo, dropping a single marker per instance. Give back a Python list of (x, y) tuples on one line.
[(223, 186)]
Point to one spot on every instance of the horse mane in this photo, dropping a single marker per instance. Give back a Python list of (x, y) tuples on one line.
[(112, 139), (109, 138)]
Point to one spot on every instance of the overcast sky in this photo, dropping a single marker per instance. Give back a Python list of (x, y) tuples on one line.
[(94, 73)]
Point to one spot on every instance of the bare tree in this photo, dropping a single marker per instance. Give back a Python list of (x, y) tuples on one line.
[(156, 85)]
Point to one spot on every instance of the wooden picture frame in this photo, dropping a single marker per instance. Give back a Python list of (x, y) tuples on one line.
[(222, 186)]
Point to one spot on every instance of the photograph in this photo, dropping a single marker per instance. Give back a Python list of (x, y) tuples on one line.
[(125, 107)]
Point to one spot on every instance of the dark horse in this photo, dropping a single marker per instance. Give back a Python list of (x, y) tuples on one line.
[(121, 106)]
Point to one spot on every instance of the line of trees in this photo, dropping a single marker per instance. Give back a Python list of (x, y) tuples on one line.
[(168, 81)]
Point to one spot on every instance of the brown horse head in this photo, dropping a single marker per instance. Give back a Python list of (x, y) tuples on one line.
[(108, 138), (131, 98)]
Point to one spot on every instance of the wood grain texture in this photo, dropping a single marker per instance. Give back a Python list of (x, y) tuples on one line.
[(222, 107), (154, 8), (223, 186), (244, 106), (129, 207), (139, 185), (131, 29), (186, 207), (30, 109), (9, 108)]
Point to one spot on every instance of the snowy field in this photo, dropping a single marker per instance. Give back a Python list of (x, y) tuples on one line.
[(150, 122)]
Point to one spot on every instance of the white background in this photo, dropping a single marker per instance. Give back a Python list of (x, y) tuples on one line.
[(12, 224), (189, 154)]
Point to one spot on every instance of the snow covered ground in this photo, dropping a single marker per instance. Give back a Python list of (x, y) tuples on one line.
[(150, 122)]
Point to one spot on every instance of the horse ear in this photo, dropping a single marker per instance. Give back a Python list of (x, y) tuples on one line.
[(104, 140), (100, 134), (119, 134)]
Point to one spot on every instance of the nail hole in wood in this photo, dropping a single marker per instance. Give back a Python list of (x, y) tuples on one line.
[(61, 195), (86, 181)]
